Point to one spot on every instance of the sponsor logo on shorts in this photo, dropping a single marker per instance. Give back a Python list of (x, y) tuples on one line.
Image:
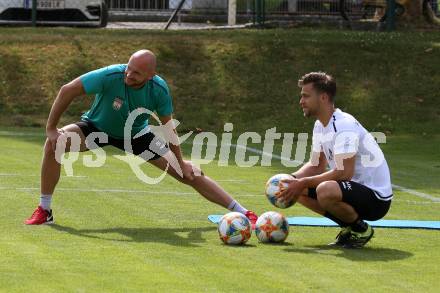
[(346, 185)]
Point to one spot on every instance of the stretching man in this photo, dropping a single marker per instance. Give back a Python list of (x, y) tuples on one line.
[(357, 185), (119, 90)]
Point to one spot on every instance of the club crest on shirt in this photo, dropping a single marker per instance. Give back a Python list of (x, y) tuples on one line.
[(117, 103)]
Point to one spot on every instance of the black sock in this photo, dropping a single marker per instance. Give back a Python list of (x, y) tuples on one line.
[(336, 220), (359, 225)]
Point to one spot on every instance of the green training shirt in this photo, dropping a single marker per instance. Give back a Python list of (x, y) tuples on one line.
[(114, 100)]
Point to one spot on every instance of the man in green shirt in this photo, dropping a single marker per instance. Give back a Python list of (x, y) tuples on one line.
[(119, 90)]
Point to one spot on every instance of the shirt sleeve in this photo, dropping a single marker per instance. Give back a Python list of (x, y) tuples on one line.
[(93, 81), (164, 102), (347, 139)]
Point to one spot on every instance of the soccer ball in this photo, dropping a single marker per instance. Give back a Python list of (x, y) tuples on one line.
[(272, 227), (234, 228), (273, 186)]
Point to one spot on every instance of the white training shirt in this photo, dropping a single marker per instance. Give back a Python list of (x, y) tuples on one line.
[(345, 135)]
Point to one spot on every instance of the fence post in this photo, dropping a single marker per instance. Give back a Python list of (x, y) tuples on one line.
[(259, 9), (292, 5), (391, 15), (232, 12), (34, 12)]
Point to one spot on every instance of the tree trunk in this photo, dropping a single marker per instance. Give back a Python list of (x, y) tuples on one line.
[(417, 12)]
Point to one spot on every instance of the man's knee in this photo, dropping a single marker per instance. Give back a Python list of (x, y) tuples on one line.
[(328, 192), (49, 150), (195, 181), (75, 140)]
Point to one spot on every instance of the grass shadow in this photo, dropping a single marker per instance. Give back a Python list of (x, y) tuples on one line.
[(159, 235), (365, 254), (246, 245), (278, 244)]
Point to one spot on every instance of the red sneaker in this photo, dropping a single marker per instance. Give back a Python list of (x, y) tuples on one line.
[(252, 218), (40, 216)]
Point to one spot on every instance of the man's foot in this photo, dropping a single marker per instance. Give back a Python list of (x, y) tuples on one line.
[(252, 218), (40, 216), (342, 237), (359, 239)]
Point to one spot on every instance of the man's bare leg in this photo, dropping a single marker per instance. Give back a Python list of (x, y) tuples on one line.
[(330, 199), (204, 185), (311, 204), (208, 188), (50, 168), (50, 175), (329, 202)]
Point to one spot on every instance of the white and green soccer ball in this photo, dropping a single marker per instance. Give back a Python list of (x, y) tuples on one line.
[(273, 186), (234, 228), (272, 227)]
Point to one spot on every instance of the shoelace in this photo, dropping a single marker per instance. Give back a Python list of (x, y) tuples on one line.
[(341, 233)]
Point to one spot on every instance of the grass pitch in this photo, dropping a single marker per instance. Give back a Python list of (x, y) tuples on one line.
[(114, 233)]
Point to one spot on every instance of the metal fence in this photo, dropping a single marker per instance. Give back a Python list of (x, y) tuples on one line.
[(94, 12), (243, 6), (250, 10), (138, 5), (216, 11), (323, 7)]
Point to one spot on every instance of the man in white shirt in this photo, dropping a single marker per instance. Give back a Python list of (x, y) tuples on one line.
[(357, 184)]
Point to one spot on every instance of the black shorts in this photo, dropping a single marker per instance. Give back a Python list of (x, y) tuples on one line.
[(149, 146), (363, 199)]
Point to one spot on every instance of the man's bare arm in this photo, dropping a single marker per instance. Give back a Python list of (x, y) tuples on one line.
[(343, 172), (65, 96), (311, 168)]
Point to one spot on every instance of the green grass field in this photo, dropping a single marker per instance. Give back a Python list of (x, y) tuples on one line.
[(116, 234)]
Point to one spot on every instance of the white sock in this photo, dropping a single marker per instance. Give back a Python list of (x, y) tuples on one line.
[(45, 201), (236, 207)]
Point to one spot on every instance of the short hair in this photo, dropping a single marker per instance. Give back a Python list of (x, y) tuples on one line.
[(322, 82)]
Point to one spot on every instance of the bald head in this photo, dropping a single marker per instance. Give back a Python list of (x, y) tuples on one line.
[(144, 59), (141, 68)]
